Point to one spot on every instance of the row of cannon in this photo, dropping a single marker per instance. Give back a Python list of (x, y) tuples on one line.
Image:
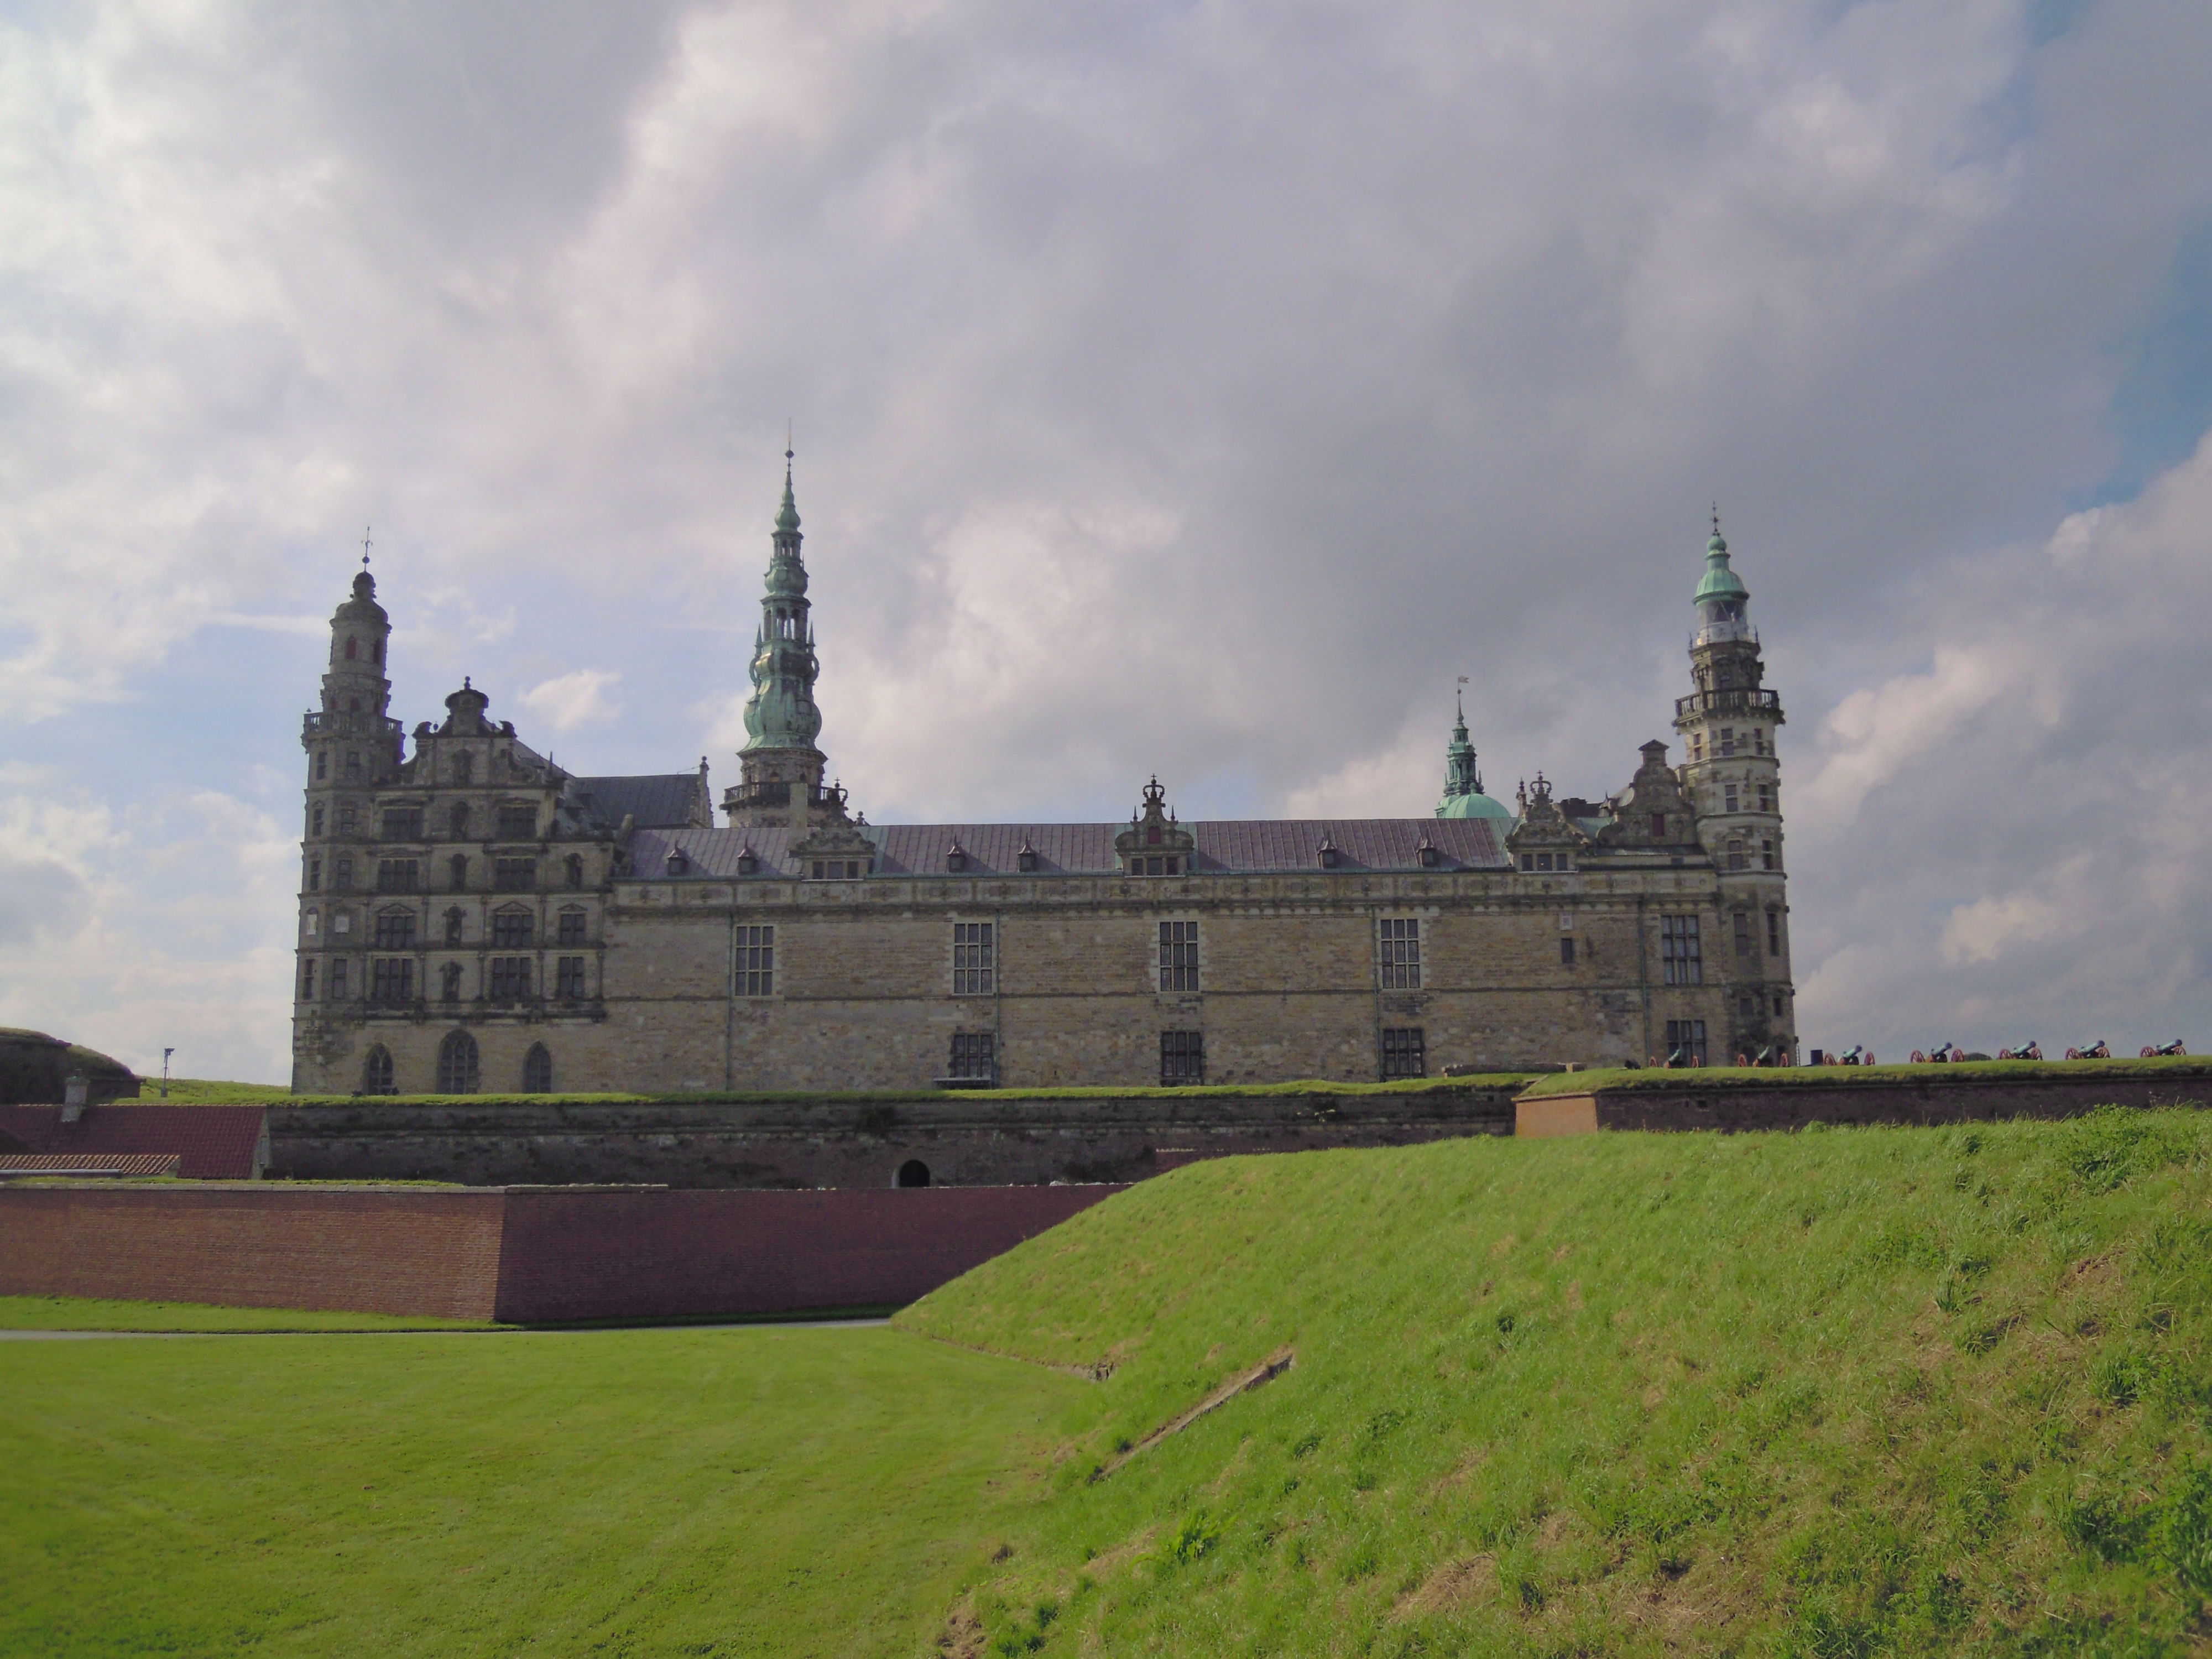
[(1949, 1054)]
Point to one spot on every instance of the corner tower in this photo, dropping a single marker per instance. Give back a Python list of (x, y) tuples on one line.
[(781, 769), (1733, 777)]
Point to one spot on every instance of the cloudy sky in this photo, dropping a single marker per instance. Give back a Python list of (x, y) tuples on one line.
[(1192, 387)]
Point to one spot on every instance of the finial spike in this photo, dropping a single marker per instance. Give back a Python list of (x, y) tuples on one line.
[(365, 545)]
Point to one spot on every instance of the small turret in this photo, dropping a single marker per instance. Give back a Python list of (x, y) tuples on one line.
[(1463, 797)]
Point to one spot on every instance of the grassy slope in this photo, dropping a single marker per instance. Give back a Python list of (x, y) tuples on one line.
[(722, 1493), (71, 1313), (201, 1093), (1889, 1390), (2187, 1072)]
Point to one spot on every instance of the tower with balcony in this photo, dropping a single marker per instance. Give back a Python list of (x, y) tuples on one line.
[(1732, 773)]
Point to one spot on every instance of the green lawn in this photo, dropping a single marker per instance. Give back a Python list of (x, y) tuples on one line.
[(2185, 1071), (760, 1490), (71, 1313), (1838, 1393)]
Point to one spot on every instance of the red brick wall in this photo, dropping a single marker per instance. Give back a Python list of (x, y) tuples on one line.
[(521, 1255), (365, 1250)]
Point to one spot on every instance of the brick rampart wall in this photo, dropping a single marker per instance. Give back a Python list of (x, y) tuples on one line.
[(963, 1141), (1914, 1100), (523, 1255)]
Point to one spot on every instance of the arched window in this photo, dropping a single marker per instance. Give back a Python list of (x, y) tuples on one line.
[(914, 1173), (459, 1070), (458, 817), (376, 1072), (538, 1070)]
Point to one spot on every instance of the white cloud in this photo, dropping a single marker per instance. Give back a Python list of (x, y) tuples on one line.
[(578, 698)]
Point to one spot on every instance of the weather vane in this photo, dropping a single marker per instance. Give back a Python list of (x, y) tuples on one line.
[(365, 545), (788, 452)]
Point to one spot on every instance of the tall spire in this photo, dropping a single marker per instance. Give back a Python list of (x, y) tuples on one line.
[(781, 712), (787, 518)]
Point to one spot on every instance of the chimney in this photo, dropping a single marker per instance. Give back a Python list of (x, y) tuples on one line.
[(73, 1094)]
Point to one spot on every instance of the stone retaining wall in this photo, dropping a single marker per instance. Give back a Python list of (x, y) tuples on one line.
[(1930, 1099)]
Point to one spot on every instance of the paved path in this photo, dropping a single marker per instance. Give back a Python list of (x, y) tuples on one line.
[(509, 1330)]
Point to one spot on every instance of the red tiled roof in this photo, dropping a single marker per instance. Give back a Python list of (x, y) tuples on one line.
[(122, 1163), (211, 1143), (1225, 847)]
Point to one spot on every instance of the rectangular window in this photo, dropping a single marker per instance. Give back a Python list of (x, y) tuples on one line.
[(1567, 950), (353, 764), (307, 981), (1401, 954), (572, 928), (1658, 826), (315, 826), (1774, 932), (1178, 956), (1686, 1042), (756, 962), (322, 764), (568, 978), (1404, 1052), (1746, 1007), (1743, 933), (837, 869), (510, 979), (398, 875), (314, 875), (338, 992), (1728, 798), (1155, 866), (973, 1059), (341, 875), (514, 875), (1766, 797), (1766, 853), (1728, 740), (511, 930), (1183, 1058), (391, 979), (518, 823), (972, 964), (403, 823), (1737, 858), (395, 931), (1682, 957)]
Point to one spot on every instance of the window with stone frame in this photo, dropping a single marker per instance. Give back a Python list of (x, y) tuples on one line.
[(401, 824), (1766, 797), (1774, 932), (975, 1056), (353, 764), (338, 991), (518, 823), (391, 981), (449, 983), (1681, 952), (1156, 865), (756, 971), (1567, 950), (307, 980), (1728, 798), (514, 875), (315, 821), (538, 1070), (1405, 1051), (569, 979), (1743, 933), (974, 967), (341, 923), (314, 875), (835, 869), (1178, 956), (376, 1072), (1737, 858), (1686, 1042), (510, 979), (457, 820), (398, 875), (1728, 738), (322, 764), (460, 1069), (395, 930), (1400, 949), (346, 819), (457, 872), (512, 930), (455, 921), (573, 866), (1766, 855), (1182, 1058), (572, 926)]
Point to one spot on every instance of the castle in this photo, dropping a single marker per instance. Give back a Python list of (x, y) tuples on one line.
[(473, 918)]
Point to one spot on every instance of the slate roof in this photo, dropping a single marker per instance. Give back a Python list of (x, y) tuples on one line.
[(1225, 847), (212, 1143), (669, 800), (118, 1164)]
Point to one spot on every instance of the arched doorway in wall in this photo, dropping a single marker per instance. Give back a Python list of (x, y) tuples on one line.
[(459, 1070), (912, 1173), (376, 1072)]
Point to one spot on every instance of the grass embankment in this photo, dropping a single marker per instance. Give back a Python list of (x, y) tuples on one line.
[(210, 1094), (2182, 1069), (770, 1491), (1898, 1391), (73, 1313)]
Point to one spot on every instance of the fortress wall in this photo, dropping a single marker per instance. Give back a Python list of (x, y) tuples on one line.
[(964, 1141), (1926, 1100), (516, 1254)]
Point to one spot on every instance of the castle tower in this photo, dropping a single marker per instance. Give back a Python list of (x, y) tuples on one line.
[(781, 767), (1463, 797), (1733, 777)]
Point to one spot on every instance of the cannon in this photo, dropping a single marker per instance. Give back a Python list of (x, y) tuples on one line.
[(2029, 1050), (2162, 1051), (2097, 1050)]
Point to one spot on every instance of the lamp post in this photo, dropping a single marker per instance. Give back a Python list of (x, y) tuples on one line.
[(166, 1053)]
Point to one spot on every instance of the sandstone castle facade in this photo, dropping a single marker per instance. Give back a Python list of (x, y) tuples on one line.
[(473, 918)]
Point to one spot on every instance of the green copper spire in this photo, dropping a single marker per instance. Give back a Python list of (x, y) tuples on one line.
[(781, 714), (1721, 597), (1463, 796)]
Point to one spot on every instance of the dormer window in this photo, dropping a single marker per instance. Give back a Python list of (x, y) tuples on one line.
[(1328, 854), (748, 860), (1155, 865), (1428, 856), (956, 857), (677, 862), (835, 869), (1026, 859)]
